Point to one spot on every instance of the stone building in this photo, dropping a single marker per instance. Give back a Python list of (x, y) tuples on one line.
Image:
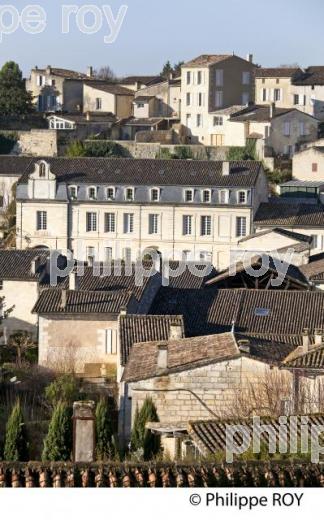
[(308, 164), (102, 96), (160, 100), (275, 85)]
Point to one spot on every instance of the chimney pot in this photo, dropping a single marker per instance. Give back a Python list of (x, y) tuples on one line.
[(249, 57), (226, 168), (162, 360), (244, 346)]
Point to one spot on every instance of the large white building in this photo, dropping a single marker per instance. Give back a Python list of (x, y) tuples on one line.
[(105, 209)]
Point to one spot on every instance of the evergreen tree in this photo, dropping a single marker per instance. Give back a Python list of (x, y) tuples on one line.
[(58, 442), (104, 431), (141, 437), (15, 448), (167, 69), (14, 99)]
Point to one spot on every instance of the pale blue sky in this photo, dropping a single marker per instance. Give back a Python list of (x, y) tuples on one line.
[(275, 31)]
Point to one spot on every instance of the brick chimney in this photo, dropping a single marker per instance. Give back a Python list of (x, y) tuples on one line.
[(162, 359)]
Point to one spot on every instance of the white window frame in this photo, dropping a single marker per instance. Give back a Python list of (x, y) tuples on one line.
[(155, 190), (110, 222), (114, 193), (205, 226), (91, 221), (128, 223), (153, 224), (89, 192), (224, 196), (131, 199), (187, 225), (187, 191), (41, 220), (245, 194), (203, 193), (218, 121), (73, 197), (241, 227)]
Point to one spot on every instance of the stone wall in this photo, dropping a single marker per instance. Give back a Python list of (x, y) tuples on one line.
[(37, 143), (139, 150)]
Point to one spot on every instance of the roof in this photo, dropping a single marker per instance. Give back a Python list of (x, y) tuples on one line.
[(110, 88), (297, 183), (228, 111), (210, 436), (13, 164), (64, 73), (17, 264), (292, 215), (312, 76), (146, 171), (147, 121), (311, 360), (278, 315), (94, 117), (143, 99), (280, 231), (277, 72), (259, 113), (314, 271), (183, 354), (139, 329), (145, 80), (82, 302), (206, 60)]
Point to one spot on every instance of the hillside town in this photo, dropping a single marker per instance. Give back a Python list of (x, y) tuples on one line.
[(161, 270)]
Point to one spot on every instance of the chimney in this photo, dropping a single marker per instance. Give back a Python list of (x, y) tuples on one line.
[(162, 359), (90, 71), (226, 168), (175, 331), (249, 57), (244, 346), (34, 265), (48, 69), (73, 281), (272, 110), (123, 311), (63, 298), (305, 340), (318, 336)]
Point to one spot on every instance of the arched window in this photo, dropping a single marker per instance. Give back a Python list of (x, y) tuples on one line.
[(42, 170)]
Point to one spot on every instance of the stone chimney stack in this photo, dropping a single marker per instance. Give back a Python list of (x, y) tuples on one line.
[(162, 360), (73, 281), (244, 346), (272, 110), (306, 341), (123, 311), (175, 331), (318, 334), (249, 57), (63, 298), (48, 69), (34, 265), (226, 168), (90, 71)]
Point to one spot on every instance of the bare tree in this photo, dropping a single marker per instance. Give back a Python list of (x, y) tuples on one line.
[(105, 73), (21, 341)]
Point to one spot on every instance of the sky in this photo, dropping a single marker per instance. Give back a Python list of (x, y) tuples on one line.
[(153, 31)]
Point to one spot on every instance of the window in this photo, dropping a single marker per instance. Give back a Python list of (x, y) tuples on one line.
[(200, 99), (199, 77), (73, 192), (296, 99), (199, 120), (302, 128), (110, 344), (92, 193), (186, 255), (128, 222), (41, 220), (205, 256), (187, 225), (140, 105), (189, 195), (218, 121), (98, 103), (91, 221), (188, 77), (129, 195), (110, 222), (111, 193), (205, 225), (155, 194), (240, 227), (206, 196), (242, 197), (245, 98), (286, 129), (219, 78), (223, 197), (315, 167), (188, 120), (277, 94), (264, 94), (108, 254), (246, 78), (42, 170), (1, 201), (127, 255), (1, 285), (219, 98), (153, 227), (188, 99), (314, 241), (90, 255)]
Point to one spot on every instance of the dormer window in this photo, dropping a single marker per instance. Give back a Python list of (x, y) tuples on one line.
[(206, 196), (189, 195), (73, 190), (242, 197), (42, 170), (155, 194), (129, 194), (224, 197), (111, 193), (92, 193)]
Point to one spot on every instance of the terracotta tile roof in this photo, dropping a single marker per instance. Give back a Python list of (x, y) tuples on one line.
[(312, 76), (280, 231), (64, 73), (311, 360), (183, 354), (110, 88), (277, 72), (259, 113), (145, 80), (140, 329), (147, 171), (314, 271), (205, 60), (14, 165), (17, 264), (291, 215), (82, 302)]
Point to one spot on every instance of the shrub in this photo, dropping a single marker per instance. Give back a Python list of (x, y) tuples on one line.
[(141, 438), (15, 448), (104, 431), (75, 149), (58, 442), (103, 149), (65, 388), (7, 142)]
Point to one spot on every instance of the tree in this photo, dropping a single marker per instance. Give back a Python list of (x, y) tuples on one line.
[(167, 69), (15, 448), (177, 68), (142, 438), (75, 149), (105, 73), (58, 442), (21, 342), (65, 388), (104, 431), (14, 99)]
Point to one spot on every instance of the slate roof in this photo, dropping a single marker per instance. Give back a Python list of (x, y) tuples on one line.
[(183, 354), (300, 237), (16, 264), (291, 215), (312, 76), (13, 164), (311, 360), (140, 329), (147, 171), (110, 88), (82, 302), (277, 72)]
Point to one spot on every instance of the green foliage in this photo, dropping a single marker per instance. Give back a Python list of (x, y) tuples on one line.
[(7, 142), (242, 153), (183, 152), (169, 69), (75, 149), (94, 149), (15, 448), (58, 442), (141, 438), (65, 389), (279, 176), (14, 99), (104, 431)]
